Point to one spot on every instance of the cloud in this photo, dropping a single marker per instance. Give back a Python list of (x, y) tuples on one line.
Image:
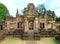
[(54, 5), (13, 5)]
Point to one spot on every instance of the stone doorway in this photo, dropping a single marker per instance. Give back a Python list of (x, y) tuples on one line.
[(31, 24)]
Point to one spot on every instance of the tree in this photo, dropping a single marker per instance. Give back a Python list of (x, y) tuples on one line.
[(49, 13), (41, 8), (3, 11), (58, 19)]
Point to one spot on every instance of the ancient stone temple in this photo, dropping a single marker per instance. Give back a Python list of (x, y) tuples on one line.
[(30, 22)]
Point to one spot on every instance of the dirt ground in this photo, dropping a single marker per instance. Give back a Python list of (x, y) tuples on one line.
[(11, 40)]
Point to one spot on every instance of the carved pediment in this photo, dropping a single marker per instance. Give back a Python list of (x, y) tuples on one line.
[(30, 10)]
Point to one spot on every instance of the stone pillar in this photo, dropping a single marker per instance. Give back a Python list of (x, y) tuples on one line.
[(26, 25), (45, 21), (36, 26)]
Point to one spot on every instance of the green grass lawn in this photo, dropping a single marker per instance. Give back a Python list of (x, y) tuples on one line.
[(43, 40)]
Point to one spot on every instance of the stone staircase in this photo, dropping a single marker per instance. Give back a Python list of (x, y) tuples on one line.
[(30, 35)]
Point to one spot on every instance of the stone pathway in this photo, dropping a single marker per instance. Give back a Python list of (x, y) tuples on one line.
[(31, 42)]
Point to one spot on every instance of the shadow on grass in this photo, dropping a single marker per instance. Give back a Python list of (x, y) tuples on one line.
[(2, 39), (57, 41)]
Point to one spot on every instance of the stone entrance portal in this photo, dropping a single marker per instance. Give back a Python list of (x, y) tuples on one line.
[(31, 24), (31, 20)]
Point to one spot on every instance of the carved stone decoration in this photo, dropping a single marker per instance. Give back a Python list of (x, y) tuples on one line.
[(30, 10), (30, 21)]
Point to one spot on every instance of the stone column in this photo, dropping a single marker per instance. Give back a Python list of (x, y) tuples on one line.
[(26, 25), (36, 26)]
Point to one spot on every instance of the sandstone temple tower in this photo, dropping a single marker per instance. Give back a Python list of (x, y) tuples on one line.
[(30, 22)]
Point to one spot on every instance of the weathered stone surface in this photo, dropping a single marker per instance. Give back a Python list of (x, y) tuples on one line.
[(30, 21)]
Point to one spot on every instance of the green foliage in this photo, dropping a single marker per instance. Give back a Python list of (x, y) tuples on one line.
[(41, 8), (49, 13), (58, 19), (3, 11)]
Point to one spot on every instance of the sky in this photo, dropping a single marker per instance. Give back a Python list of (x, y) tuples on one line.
[(13, 5)]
